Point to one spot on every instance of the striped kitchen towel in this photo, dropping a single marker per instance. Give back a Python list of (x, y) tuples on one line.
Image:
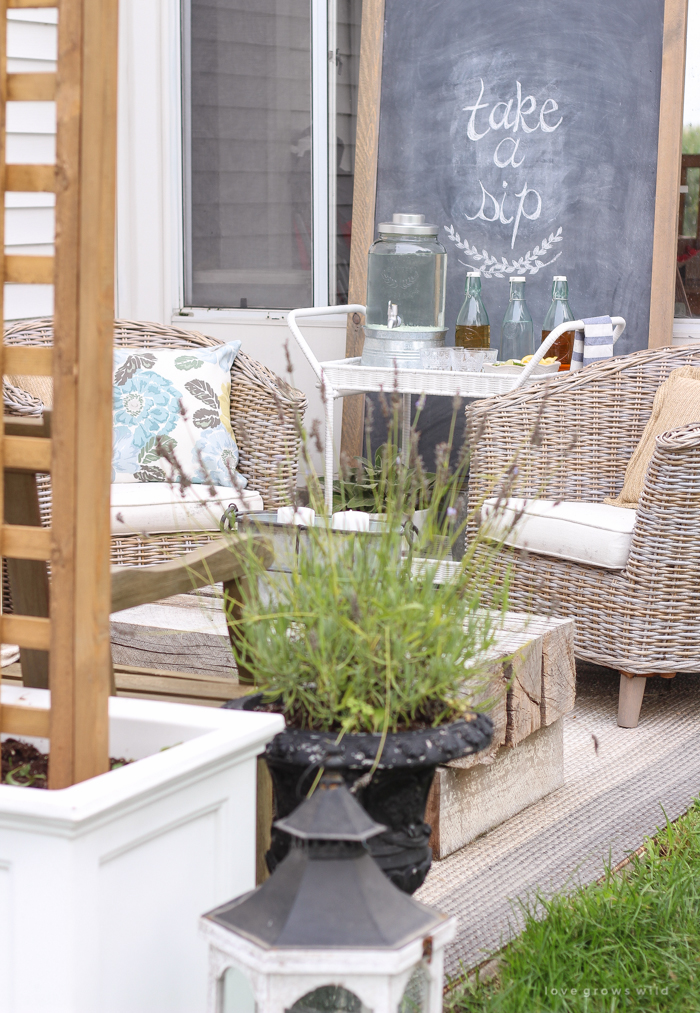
[(593, 344)]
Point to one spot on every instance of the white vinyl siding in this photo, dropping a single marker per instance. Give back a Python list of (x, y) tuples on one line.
[(31, 138)]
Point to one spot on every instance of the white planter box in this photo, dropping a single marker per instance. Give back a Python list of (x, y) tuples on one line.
[(102, 884)]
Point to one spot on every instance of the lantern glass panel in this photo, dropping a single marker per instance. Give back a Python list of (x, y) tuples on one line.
[(329, 999), (235, 993), (415, 996)]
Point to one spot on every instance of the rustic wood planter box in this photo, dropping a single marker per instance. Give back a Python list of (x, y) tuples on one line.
[(102, 883), (526, 760)]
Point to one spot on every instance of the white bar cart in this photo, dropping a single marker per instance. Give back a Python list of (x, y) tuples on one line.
[(340, 377)]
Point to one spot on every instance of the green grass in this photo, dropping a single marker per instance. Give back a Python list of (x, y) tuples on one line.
[(634, 937)]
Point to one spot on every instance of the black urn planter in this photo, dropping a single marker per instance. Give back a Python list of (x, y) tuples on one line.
[(396, 794)]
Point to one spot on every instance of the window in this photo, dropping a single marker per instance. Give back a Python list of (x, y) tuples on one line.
[(270, 107)]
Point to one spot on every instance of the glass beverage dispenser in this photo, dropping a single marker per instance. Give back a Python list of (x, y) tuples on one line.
[(405, 293)]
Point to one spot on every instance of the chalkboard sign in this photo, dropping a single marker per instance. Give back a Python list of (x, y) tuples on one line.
[(532, 134), (528, 132)]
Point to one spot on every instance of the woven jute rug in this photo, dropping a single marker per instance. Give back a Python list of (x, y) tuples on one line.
[(620, 785)]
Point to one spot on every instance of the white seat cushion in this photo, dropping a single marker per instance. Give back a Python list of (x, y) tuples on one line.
[(592, 533), (149, 507)]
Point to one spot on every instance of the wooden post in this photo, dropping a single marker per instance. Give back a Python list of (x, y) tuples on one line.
[(80, 662), (363, 205), (3, 108), (3, 116), (668, 174)]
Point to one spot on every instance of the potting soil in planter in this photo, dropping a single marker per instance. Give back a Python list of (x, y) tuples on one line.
[(395, 795), (24, 766)]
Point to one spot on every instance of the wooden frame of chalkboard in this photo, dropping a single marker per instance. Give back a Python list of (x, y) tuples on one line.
[(662, 192)]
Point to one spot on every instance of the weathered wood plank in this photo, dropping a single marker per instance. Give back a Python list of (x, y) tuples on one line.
[(154, 647), (494, 693), (151, 684), (220, 560), (558, 671), (524, 675), (159, 684), (473, 794), (225, 683), (466, 803)]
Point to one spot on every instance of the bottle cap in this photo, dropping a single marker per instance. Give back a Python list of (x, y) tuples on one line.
[(559, 277), (473, 274), (407, 225), (517, 279)]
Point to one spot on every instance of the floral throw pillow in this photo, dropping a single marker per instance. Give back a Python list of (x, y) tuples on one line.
[(172, 416)]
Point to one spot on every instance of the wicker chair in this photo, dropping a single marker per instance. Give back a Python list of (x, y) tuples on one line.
[(645, 619), (265, 416)]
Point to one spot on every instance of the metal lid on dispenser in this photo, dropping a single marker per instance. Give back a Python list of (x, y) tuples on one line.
[(407, 225)]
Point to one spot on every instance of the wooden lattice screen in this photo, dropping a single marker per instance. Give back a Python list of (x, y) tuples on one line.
[(78, 453)]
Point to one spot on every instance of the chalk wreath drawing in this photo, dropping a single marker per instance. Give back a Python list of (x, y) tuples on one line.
[(493, 268)]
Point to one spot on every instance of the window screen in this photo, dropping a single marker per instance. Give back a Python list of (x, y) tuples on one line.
[(249, 153)]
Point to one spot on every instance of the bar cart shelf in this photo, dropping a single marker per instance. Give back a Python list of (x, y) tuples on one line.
[(341, 377)]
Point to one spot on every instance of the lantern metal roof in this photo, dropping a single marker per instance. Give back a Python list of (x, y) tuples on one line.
[(331, 814), (328, 891)]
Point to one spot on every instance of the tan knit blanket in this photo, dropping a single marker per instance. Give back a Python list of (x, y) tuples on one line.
[(677, 402)]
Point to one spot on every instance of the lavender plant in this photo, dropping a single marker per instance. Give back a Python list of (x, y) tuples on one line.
[(367, 632)]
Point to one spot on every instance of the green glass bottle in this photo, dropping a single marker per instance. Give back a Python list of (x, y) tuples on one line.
[(473, 329), (517, 333), (560, 312)]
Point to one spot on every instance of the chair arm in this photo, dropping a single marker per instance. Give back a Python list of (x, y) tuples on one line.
[(20, 402), (587, 425), (267, 416), (220, 560), (665, 552)]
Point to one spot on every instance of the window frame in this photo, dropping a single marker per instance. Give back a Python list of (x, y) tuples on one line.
[(321, 217)]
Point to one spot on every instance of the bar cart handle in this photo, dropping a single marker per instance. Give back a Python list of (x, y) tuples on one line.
[(570, 325), (316, 311)]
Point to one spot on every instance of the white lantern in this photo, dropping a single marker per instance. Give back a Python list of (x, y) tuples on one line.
[(328, 932)]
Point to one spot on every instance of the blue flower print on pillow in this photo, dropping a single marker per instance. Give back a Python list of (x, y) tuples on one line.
[(168, 401), (214, 458), (147, 404), (124, 453)]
